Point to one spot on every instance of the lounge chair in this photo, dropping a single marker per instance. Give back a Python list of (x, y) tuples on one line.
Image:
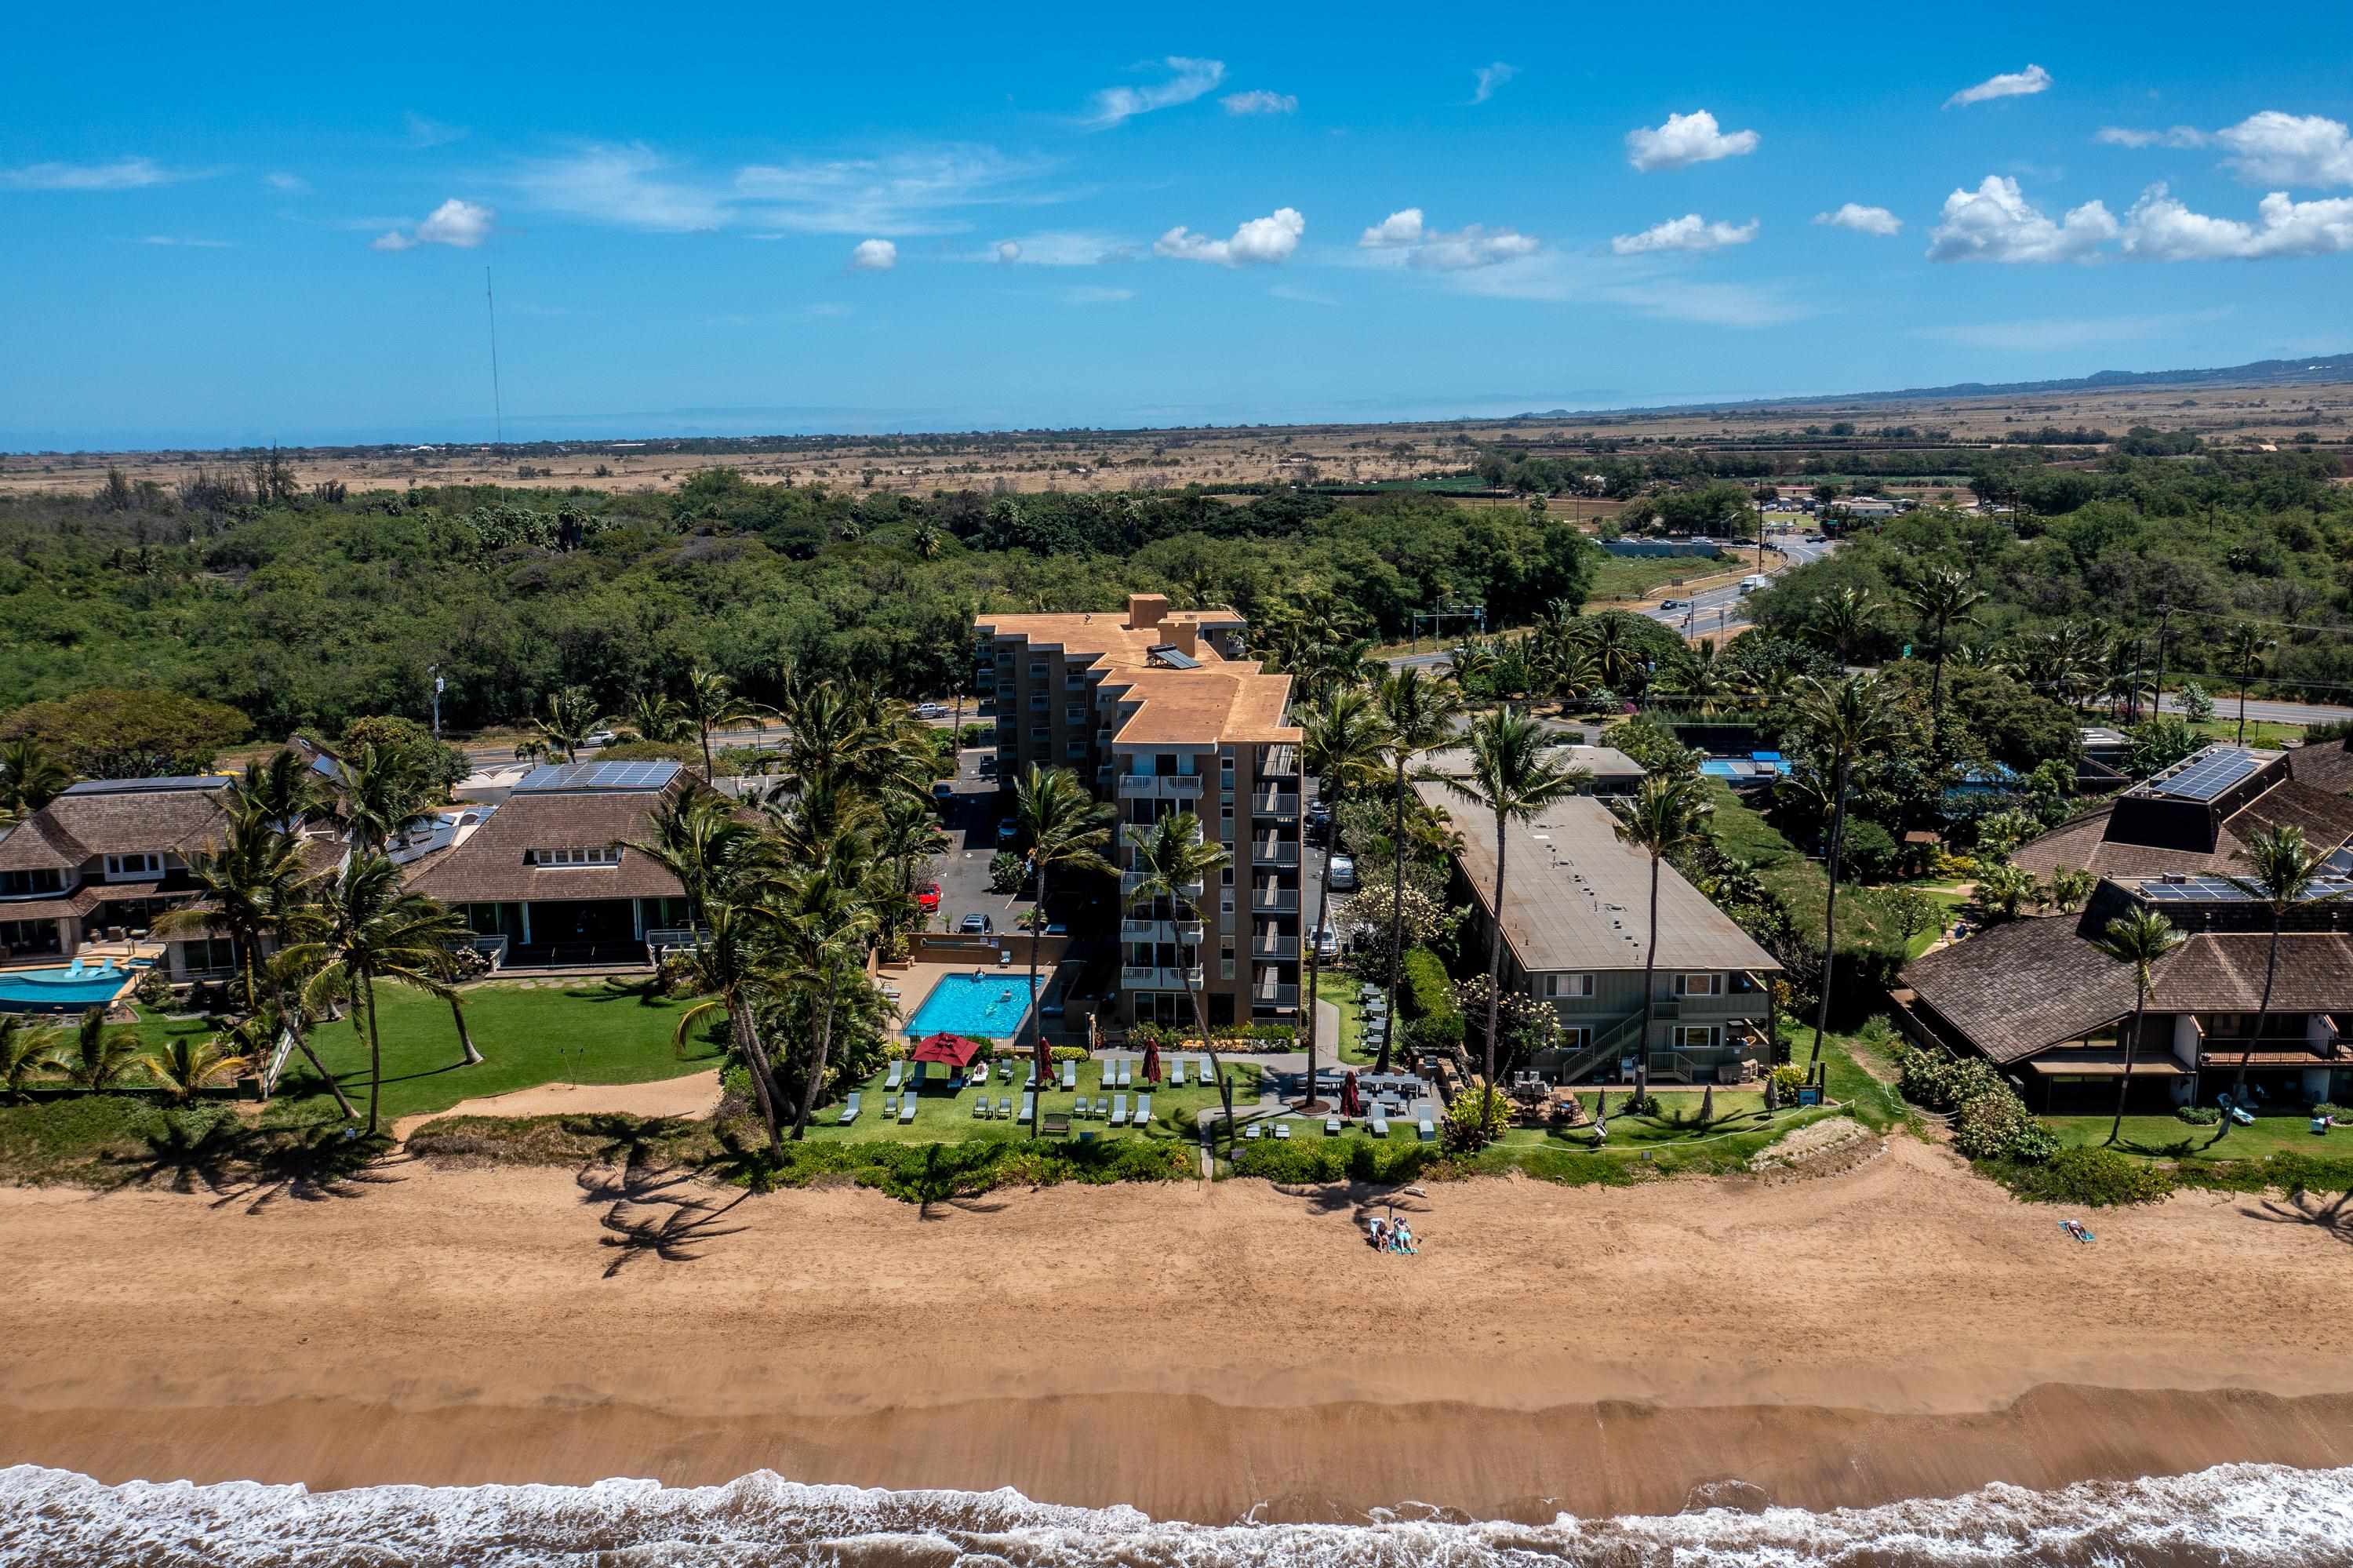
[(1332, 1126), (1103, 1107), (1028, 1079), (1380, 1125), (1142, 1115), (1282, 1130), (1029, 1107), (1069, 1077), (898, 1075), (907, 1104), (1125, 1068), (1254, 1130), (1177, 1074), (1119, 1110), (890, 1104), (849, 1110), (915, 1080), (980, 1105), (1005, 1071), (1202, 1075), (1426, 1131)]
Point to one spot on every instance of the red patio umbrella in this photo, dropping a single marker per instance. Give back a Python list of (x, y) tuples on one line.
[(1152, 1061), (1349, 1105), (953, 1050)]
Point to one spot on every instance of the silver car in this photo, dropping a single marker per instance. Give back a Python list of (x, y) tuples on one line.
[(1344, 873)]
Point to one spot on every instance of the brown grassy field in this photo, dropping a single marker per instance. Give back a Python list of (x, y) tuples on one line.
[(1117, 461)]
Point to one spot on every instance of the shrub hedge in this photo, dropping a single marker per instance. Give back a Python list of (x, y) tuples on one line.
[(1333, 1159), (2094, 1178)]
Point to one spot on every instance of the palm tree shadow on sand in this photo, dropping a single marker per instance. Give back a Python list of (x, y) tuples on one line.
[(2332, 1216), (674, 1234), (256, 1167)]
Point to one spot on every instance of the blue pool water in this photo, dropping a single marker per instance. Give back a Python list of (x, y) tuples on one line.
[(69, 987), (990, 1007)]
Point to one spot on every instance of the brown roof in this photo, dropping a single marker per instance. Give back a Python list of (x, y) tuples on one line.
[(77, 827), (1111, 639), (2024, 986), (2328, 766), (2325, 819), (487, 866), (1580, 900), (81, 901), (1215, 704)]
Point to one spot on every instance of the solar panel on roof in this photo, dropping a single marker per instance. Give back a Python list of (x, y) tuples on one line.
[(135, 785), (1175, 658), (599, 776), (2206, 777)]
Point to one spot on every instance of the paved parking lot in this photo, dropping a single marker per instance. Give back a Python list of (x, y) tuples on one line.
[(970, 816)]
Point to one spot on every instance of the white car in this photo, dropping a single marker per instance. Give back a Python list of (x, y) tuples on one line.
[(930, 710), (1327, 942), (1344, 873)]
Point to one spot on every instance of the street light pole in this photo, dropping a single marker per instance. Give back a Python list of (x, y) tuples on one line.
[(434, 670)]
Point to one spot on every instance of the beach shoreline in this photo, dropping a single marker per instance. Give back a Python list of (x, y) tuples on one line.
[(1900, 1330)]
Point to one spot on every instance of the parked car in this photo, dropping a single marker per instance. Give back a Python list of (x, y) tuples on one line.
[(943, 789), (988, 768), (930, 710), (1344, 873), (1007, 830), (927, 897), (977, 926), (1327, 942)]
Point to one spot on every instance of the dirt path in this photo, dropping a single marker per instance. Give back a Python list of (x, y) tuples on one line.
[(694, 1097)]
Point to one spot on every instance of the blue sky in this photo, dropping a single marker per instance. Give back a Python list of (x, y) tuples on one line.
[(914, 217)]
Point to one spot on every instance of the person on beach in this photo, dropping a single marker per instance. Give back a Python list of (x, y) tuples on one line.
[(1402, 1238), (1377, 1234)]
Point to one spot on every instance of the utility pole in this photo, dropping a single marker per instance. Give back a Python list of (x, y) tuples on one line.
[(2164, 616), (498, 406), (434, 670)]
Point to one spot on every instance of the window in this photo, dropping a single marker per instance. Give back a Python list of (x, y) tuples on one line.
[(1569, 985), (1074, 714), (145, 862), (1040, 736), (1036, 671), (1699, 985), (1226, 877), (579, 855), (1695, 1036), (1576, 1039)]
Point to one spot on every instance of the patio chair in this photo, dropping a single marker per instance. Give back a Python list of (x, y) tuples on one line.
[(1380, 1125), (1332, 1126), (907, 1104), (898, 1075), (891, 1104), (1254, 1130), (1282, 1130), (1143, 1116), (1005, 1107), (848, 1110), (1069, 1077), (1029, 1107), (915, 1079), (1119, 1110), (1126, 1068), (1202, 1075), (1426, 1131), (1029, 1079), (1103, 1107), (979, 1106), (1005, 1072), (1177, 1074)]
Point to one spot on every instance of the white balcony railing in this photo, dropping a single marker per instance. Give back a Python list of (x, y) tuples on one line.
[(1274, 803), (1274, 851), (1188, 932), (1159, 786), (1129, 881), (1148, 977)]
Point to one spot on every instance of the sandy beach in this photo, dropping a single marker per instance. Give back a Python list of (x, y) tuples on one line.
[(1899, 1329)]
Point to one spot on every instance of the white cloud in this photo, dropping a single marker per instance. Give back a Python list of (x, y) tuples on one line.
[(1490, 78), (874, 255), (2289, 149), (1260, 240), (1641, 284), (1996, 223), (1299, 296), (1189, 79), (2161, 228), (121, 175), (1686, 138), (2008, 84), (421, 132), (1403, 236), (1060, 249), (1861, 219), (1258, 100), (462, 223), (286, 183), (2173, 136), (624, 185), (184, 240), (1087, 294), (1689, 232)]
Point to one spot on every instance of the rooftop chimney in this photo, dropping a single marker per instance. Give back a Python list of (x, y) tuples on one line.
[(1145, 609), (1184, 636)]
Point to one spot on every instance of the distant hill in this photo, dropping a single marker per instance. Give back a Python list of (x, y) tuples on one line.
[(2314, 371)]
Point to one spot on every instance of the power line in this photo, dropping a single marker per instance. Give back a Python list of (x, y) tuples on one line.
[(498, 407)]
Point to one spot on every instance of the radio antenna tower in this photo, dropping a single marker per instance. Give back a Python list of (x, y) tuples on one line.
[(498, 409)]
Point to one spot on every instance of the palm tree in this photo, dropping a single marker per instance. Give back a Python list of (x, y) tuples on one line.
[(1420, 712), (698, 841), (1668, 816), (1344, 740), (384, 794), (282, 789), (96, 1057), (2005, 890), (825, 928), (570, 718), (1845, 618), (927, 541), (2284, 869), (907, 834), (1622, 660), (1066, 831), (29, 777), (246, 888), (709, 702), (186, 1065), (28, 1052), (1513, 775), (655, 716), (1843, 721), (1940, 598), (1174, 861), (2138, 939), (729, 965), (2245, 646), (364, 929)]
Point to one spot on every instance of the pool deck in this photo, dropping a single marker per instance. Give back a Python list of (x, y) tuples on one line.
[(913, 982)]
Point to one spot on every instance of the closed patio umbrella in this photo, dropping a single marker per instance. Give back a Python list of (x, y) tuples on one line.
[(1152, 1061), (1349, 1103)]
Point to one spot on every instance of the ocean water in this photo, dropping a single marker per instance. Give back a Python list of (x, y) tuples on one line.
[(2246, 1516)]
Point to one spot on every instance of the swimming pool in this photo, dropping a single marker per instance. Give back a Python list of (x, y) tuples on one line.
[(70, 988), (986, 1006)]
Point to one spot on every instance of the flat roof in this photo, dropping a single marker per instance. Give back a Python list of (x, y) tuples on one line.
[(1108, 639), (1217, 703), (1601, 761), (1578, 899)]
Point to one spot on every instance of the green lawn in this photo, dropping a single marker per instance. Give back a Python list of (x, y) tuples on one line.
[(2224, 725), (1863, 914), (945, 1116), (2172, 1139), (528, 1032), (1951, 903), (1638, 576)]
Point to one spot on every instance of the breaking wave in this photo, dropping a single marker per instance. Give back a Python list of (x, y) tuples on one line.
[(2242, 1515)]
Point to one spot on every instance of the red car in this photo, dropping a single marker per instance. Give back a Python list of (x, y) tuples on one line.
[(927, 896)]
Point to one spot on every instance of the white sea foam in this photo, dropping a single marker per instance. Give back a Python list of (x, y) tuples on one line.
[(2246, 1516)]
